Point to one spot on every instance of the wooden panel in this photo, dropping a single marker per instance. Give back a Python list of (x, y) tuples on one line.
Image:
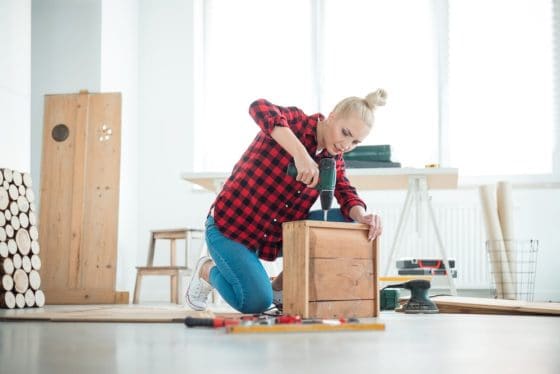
[(329, 242), (337, 309), (106, 313), (474, 305), (397, 178), (99, 244), (341, 279), (80, 196), (57, 183), (81, 296), (296, 268)]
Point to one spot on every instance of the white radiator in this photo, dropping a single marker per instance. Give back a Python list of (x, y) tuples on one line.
[(462, 231)]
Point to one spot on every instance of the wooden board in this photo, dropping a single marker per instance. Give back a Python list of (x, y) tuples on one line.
[(80, 196), (296, 269), (104, 313), (239, 329), (468, 305), (341, 279), (347, 308), (398, 178)]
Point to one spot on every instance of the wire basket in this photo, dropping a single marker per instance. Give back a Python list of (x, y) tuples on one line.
[(513, 265)]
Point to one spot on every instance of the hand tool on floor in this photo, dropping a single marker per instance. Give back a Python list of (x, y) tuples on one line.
[(419, 301), (302, 327), (210, 322), (282, 323), (327, 182)]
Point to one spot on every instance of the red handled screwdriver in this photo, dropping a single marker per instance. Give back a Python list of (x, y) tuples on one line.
[(210, 322)]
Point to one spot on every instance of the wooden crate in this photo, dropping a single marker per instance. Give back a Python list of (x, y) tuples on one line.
[(80, 198), (330, 270)]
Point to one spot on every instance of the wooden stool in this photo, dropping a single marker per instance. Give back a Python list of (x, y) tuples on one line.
[(173, 270)]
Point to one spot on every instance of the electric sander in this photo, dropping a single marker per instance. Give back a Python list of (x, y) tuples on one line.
[(419, 301), (327, 181)]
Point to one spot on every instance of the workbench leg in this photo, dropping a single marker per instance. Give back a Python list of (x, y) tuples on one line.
[(403, 219)]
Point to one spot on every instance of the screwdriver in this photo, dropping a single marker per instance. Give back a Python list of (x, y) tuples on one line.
[(210, 322)]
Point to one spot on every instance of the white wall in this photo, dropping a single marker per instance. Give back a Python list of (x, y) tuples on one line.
[(15, 84), (166, 118), (119, 73)]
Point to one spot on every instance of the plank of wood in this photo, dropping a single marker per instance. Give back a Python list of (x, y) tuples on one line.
[(57, 168), (349, 244), (104, 313), (84, 296), (296, 268), (99, 245), (341, 279), (457, 304), (345, 308), (305, 328)]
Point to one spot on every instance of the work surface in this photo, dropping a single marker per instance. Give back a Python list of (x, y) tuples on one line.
[(439, 343), (362, 179)]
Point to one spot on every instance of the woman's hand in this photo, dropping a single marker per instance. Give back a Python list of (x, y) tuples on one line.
[(359, 215), (374, 222), (307, 170)]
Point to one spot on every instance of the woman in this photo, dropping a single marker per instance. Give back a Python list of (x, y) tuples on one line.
[(245, 220)]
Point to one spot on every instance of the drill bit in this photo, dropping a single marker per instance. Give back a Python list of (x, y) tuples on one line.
[(325, 213)]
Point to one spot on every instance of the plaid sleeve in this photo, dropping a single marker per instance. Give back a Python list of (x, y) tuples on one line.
[(268, 115), (344, 192)]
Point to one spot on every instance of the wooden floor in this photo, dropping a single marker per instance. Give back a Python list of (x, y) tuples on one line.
[(411, 344), (103, 313)]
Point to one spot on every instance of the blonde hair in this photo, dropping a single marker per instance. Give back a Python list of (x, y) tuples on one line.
[(363, 107)]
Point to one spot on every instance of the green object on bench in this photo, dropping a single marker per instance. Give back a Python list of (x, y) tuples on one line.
[(369, 153)]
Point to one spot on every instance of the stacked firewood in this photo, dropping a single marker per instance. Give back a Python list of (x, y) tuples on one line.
[(20, 281)]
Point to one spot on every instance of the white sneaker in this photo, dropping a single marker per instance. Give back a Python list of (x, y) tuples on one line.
[(198, 290)]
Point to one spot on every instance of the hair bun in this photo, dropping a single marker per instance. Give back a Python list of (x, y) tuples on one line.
[(377, 98)]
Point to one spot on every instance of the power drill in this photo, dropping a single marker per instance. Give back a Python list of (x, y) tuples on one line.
[(327, 181)]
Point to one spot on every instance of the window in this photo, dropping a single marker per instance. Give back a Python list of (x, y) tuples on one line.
[(252, 49), (368, 44), (501, 87), (470, 82)]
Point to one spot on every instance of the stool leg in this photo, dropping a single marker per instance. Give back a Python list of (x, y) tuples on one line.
[(151, 248), (173, 253), (137, 286), (174, 289), (188, 239)]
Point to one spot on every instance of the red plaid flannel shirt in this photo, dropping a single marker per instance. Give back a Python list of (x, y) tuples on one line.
[(259, 196)]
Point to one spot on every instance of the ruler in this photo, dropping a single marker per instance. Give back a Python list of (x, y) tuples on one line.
[(297, 327)]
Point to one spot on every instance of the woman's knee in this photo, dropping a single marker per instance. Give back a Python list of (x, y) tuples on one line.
[(258, 298)]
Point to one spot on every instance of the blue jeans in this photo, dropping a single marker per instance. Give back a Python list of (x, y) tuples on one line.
[(239, 276)]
